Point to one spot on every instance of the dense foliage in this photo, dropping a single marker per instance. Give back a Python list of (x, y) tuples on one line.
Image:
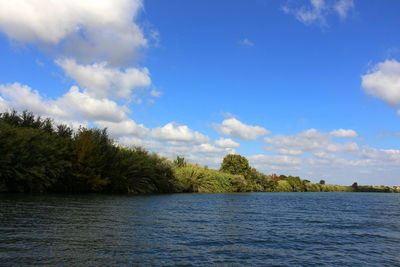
[(39, 156), (36, 155), (235, 164)]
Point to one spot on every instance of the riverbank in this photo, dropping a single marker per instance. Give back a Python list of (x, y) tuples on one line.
[(39, 156)]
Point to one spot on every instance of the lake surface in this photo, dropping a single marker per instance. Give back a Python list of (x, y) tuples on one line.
[(279, 229)]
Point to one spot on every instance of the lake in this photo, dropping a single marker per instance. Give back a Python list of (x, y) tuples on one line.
[(280, 229)]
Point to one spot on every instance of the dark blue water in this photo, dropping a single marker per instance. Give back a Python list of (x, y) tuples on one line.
[(279, 229)]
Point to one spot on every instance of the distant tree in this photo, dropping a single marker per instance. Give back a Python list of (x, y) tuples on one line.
[(322, 182), (235, 164)]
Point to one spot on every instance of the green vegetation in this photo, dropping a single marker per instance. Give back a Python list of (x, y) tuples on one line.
[(39, 156), (36, 155)]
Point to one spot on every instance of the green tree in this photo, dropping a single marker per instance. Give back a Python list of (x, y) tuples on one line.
[(322, 182), (94, 156), (31, 160), (235, 164)]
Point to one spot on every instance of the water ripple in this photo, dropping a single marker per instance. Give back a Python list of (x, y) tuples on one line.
[(267, 229)]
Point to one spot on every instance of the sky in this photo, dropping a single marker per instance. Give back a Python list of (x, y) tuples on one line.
[(309, 88)]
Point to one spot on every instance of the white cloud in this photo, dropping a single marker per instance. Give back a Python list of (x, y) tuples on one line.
[(74, 105), (208, 148), (344, 133), (317, 11), (282, 164), (178, 133), (91, 108), (126, 127), (343, 7), (246, 42), (331, 166), (238, 129), (275, 159), (292, 152), (383, 82), (102, 29), (310, 140), (101, 80), (320, 154), (21, 97), (226, 142), (155, 93)]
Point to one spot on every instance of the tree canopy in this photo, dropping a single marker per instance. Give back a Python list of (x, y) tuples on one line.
[(235, 164)]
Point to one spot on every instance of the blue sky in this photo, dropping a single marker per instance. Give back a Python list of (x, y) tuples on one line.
[(309, 88)]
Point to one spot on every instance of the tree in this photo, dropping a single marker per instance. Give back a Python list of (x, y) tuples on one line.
[(235, 164), (322, 182), (94, 155)]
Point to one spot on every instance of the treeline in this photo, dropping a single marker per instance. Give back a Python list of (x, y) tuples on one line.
[(38, 155)]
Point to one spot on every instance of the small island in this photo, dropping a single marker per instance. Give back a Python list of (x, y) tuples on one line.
[(39, 156)]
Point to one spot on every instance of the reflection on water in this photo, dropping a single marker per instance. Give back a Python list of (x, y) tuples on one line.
[(201, 229)]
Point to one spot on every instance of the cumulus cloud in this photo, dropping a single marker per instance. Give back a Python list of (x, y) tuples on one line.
[(101, 80), (383, 82), (320, 154), (74, 105), (226, 142), (317, 11), (91, 108), (316, 155), (87, 30), (21, 97), (234, 127), (276, 160), (210, 149), (126, 127), (310, 140), (344, 133), (178, 133)]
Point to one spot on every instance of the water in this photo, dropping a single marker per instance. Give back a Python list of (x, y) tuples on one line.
[(279, 229)]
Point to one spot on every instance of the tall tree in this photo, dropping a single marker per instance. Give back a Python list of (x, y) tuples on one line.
[(235, 164)]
